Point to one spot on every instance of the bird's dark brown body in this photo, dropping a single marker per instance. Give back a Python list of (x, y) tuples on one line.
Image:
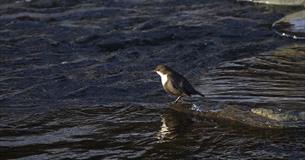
[(174, 83)]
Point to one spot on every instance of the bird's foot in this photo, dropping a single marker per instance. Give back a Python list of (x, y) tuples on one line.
[(177, 99)]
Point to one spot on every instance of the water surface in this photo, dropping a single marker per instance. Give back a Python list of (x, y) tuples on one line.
[(76, 81)]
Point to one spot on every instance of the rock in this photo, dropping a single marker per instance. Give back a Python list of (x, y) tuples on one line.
[(278, 115), (278, 2), (235, 115), (292, 25)]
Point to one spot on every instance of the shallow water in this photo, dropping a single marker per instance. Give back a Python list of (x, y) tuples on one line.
[(271, 77), (76, 81)]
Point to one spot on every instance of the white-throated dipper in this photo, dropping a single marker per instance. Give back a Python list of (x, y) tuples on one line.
[(174, 83)]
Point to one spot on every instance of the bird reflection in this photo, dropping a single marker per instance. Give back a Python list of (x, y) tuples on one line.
[(174, 124)]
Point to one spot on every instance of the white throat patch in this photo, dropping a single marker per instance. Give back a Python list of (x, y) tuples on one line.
[(163, 77)]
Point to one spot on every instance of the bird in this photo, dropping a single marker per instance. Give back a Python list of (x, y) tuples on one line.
[(174, 83)]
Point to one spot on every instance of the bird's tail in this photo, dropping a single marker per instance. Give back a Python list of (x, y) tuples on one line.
[(202, 95)]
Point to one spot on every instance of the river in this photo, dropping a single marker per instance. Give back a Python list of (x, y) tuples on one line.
[(76, 80)]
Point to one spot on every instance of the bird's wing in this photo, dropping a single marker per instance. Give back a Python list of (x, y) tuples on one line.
[(176, 83), (184, 86), (188, 88), (181, 84)]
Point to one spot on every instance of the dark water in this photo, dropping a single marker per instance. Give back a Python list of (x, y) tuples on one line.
[(270, 77), (76, 81)]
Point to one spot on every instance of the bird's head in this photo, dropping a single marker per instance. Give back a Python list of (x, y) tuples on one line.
[(162, 69)]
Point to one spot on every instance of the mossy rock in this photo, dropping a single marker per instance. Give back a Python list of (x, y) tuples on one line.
[(230, 114)]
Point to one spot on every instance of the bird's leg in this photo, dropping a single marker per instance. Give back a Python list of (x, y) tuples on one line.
[(177, 99)]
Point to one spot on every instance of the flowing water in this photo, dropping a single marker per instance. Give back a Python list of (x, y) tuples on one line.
[(276, 76), (76, 80)]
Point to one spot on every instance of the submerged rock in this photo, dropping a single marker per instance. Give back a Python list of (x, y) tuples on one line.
[(278, 115), (278, 2), (293, 25), (232, 114)]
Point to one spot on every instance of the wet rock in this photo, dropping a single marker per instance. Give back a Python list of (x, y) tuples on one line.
[(278, 115), (292, 25), (278, 2), (230, 114)]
